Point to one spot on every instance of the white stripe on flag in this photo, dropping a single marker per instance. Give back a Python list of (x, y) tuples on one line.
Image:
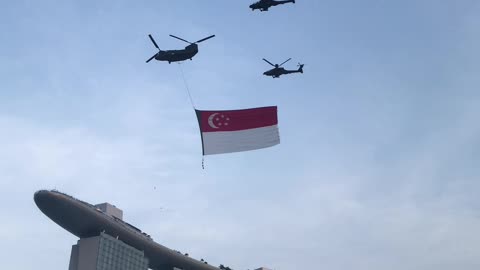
[(242, 140)]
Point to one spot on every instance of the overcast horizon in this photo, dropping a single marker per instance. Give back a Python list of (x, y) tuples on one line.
[(378, 164)]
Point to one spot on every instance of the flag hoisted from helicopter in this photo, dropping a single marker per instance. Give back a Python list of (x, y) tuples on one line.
[(238, 130)]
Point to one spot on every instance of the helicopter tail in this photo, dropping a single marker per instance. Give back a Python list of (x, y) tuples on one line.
[(300, 68)]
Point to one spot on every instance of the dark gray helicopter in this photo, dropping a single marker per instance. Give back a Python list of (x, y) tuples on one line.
[(264, 5), (177, 55), (277, 71)]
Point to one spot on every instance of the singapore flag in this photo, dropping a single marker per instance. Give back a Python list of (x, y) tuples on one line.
[(238, 130)]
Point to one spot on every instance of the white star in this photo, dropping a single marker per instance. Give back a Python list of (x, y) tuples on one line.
[(228, 119), (226, 124), (223, 116), (218, 119)]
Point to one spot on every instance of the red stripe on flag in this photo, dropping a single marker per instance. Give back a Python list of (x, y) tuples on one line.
[(215, 121)]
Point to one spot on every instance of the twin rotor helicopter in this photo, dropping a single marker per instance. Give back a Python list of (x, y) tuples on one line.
[(192, 49), (177, 55)]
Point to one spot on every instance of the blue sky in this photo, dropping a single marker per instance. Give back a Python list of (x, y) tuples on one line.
[(380, 139)]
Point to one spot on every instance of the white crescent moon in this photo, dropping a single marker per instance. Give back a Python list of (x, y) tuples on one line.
[(210, 120)]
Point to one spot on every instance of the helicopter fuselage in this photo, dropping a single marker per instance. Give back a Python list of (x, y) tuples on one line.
[(278, 71), (177, 55), (264, 5)]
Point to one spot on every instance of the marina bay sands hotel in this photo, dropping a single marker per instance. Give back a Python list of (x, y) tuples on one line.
[(107, 242)]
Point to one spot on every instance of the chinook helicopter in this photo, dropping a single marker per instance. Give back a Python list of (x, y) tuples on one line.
[(177, 55), (264, 5), (278, 70)]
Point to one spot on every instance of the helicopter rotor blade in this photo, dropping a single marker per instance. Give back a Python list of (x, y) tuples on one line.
[(181, 39), (150, 59), (203, 39), (285, 62), (153, 41), (268, 62)]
